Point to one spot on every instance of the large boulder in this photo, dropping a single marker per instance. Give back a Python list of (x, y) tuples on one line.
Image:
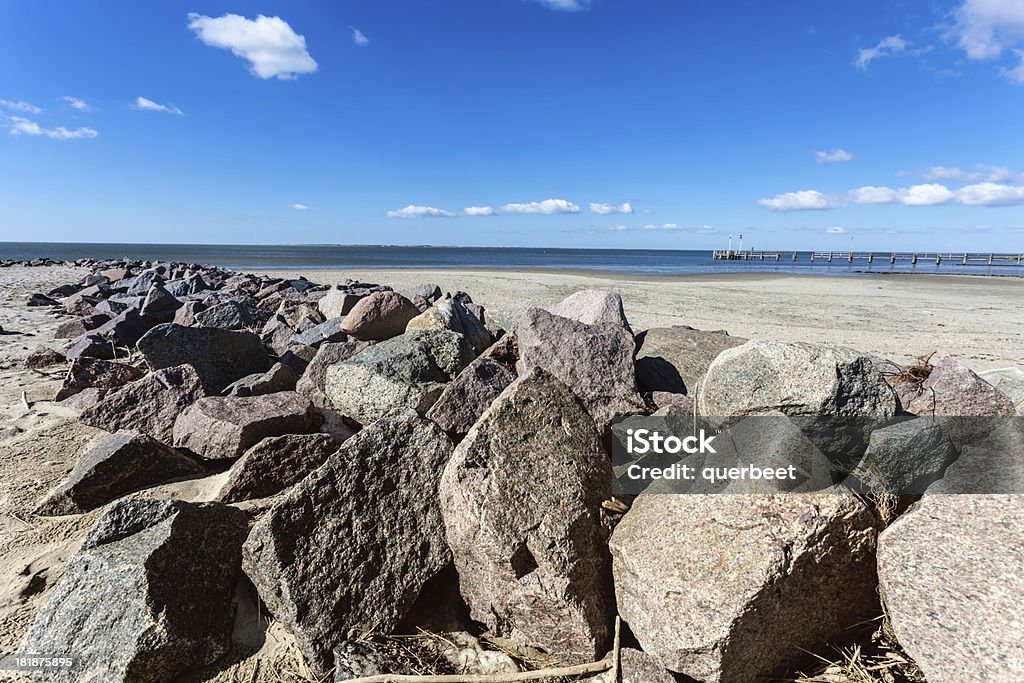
[(159, 305), (595, 361), (148, 595), (232, 315), (44, 357), (795, 378), (955, 389), (278, 378), (674, 359), (409, 371), (726, 588), (952, 572), (313, 380), (88, 373), (90, 346), (219, 427), (905, 457), (117, 465), (328, 331), (592, 306), (382, 315), (149, 405), (125, 329), (275, 464), (219, 356), (466, 398), (522, 506), (1010, 381), (453, 315), (351, 546)]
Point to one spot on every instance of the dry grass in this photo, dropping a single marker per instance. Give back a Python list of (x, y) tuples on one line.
[(877, 658)]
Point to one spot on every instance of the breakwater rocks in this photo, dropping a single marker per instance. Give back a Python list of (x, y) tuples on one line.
[(396, 456)]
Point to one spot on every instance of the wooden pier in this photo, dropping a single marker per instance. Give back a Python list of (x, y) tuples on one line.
[(914, 258)]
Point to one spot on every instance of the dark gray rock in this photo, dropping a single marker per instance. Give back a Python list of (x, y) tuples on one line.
[(44, 357), (149, 405), (87, 373), (428, 291), (465, 399), (522, 498), (38, 299), (186, 315), (193, 284), (594, 361), (326, 332), (125, 329), (278, 378), (220, 427), (405, 372), (141, 283), (675, 358), (951, 573), (726, 588), (380, 316), (275, 464), (311, 384), (232, 315), (117, 465), (91, 346), (350, 547), (219, 356), (148, 595), (905, 457), (72, 329), (159, 305)]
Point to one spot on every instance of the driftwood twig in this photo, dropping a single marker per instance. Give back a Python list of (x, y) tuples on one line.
[(617, 650), (24, 401)]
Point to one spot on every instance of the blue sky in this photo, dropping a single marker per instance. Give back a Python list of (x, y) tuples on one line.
[(611, 123)]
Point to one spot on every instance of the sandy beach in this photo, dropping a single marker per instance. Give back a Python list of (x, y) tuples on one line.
[(976, 320)]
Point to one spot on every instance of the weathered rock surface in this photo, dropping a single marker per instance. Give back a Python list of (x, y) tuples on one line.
[(275, 464), (219, 356), (350, 547), (954, 389), (88, 373), (76, 327), (952, 573), (232, 315), (592, 306), (505, 350), (905, 457), (522, 507), (636, 666), (1010, 381), (329, 331), (148, 595), (44, 357), (382, 315), (726, 588), (117, 465), (278, 378), (38, 299), (149, 405), (311, 384), (794, 378), (465, 399), (675, 358), (159, 305), (453, 315), (405, 372), (594, 361), (91, 346), (218, 427), (124, 329)]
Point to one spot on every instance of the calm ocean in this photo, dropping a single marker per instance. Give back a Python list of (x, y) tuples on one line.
[(622, 261)]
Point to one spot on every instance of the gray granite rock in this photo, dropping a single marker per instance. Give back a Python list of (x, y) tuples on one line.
[(592, 306), (326, 332), (453, 315), (87, 373), (465, 399), (676, 358), (275, 464), (1010, 381), (954, 389), (44, 357), (311, 384), (278, 378), (219, 356), (905, 457)]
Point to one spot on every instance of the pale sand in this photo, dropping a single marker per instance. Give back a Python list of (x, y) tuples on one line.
[(977, 320)]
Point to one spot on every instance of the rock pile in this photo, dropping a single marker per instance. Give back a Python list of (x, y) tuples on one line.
[(380, 441)]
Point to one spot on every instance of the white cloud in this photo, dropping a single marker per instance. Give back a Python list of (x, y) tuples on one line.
[(413, 211), (143, 104), (889, 46), (804, 200), (77, 103), (566, 5), (22, 126), (834, 156), (269, 44), (990, 194), (927, 195), (985, 28), (358, 37), (995, 174), (706, 229), (480, 211), (548, 206), (836, 230), (870, 194), (20, 106), (1016, 74), (299, 207), (607, 209), (618, 228)]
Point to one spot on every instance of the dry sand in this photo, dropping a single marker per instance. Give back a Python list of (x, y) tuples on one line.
[(977, 320)]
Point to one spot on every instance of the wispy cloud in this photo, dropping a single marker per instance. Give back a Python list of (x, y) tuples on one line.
[(144, 104), (996, 174), (836, 230), (985, 29), (548, 206), (77, 103), (20, 105), (269, 44), (358, 37), (608, 209), (926, 194), (23, 126), (299, 207), (480, 211), (890, 46), (566, 5), (834, 156), (413, 211)]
